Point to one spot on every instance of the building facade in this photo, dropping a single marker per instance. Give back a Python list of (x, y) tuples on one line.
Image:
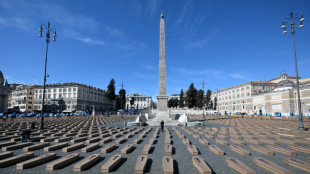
[(4, 92), (70, 97), (274, 97), (22, 98), (140, 101)]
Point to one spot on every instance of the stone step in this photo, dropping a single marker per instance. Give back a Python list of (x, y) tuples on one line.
[(300, 149), (297, 163), (239, 166), (16, 146), (86, 162), (92, 140), (90, 147), (36, 161), (78, 140), (203, 141), (105, 140), (270, 166), (16, 159), (281, 150), (201, 165), (192, 149), (237, 141), (120, 140), (63, 139), (4, 155), (216, 150), (62, 162), (167, 141), (168, 149), (56, 147), (261, 150), (168, 164), (111, 163), (126, 149), (146, 149), (36, 147), (9, 143), (108, 148), (221, 141), (239, 150), (141, 164), (152, 141)]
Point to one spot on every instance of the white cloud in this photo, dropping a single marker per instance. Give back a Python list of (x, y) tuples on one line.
[(238, 75), (91, 41)]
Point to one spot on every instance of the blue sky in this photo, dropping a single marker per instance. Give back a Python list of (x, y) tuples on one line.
[(223, 43)]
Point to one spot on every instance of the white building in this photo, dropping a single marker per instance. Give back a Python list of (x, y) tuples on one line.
[(69, 97), (22, 98), (141, 101)]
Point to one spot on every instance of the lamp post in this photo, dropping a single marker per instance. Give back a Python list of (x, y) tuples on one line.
[(291, 20), (203, 101), (48, 30), (121, 97)]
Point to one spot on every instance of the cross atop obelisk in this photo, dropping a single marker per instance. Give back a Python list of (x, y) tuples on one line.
[(162, 99)]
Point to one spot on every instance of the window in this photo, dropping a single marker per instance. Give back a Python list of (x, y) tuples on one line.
[(233, 91), (40, 96), (247, 88), (65, 89), (54, 90), (36, 91), (237, 90), (253, 87), (254, 107), (242, 89), (60, 90), (74, 89), (49, 90), (41, 90), (238, 96), (276, 106), (69, 89), (247, 94)]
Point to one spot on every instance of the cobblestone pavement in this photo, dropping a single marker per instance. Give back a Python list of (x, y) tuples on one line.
[(182, 157)]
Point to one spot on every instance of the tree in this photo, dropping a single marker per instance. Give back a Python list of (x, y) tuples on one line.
[(208, 98), (199, 98), (170, 103), (132, 101), (215, 103), (111, 90), (173, 103), (122, 94), (211, 104), (190, 96), (181, 102)]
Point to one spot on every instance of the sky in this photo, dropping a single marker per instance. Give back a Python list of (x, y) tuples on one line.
[(223, 42)]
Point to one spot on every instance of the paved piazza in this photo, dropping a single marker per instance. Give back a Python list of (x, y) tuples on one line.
[(272, 140)]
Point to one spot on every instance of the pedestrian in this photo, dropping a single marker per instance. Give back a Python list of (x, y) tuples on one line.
[(32, 125), (24, 135), (162, 125)]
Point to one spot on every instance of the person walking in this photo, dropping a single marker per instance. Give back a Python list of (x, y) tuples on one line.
[(24, 135), (162, 125)]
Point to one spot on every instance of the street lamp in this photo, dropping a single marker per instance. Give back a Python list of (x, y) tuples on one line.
[(203, 101), (48, 30), (291, 20)]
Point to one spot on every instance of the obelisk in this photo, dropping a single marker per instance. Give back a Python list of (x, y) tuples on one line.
[(162, 98)]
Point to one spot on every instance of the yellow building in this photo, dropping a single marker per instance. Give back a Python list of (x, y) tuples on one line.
[(275, 97)]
